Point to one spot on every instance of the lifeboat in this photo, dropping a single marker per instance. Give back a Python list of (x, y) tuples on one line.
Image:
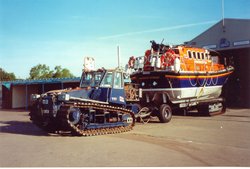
[(182, 76)]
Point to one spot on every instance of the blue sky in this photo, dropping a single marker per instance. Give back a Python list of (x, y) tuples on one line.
[(63, 32)]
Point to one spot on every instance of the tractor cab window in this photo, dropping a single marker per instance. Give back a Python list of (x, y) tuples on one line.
[(97, 78), (91, 79), (118, 80), (107, 80)]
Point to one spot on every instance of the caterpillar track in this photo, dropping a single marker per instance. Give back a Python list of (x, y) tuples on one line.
[(93, 129), (97, 130)]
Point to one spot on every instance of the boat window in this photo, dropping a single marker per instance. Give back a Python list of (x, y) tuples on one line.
[(215, 59), (176, 51), (206, 56), (198, 55), (202, 56), (194, 55), (189, 54)]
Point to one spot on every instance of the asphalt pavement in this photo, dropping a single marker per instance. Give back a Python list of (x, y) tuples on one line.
[(192, 140)]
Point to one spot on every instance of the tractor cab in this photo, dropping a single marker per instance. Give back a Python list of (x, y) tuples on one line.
[(108, 85), (91, 79), (105, 85)]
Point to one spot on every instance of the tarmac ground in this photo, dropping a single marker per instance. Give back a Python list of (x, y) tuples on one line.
[(222, 140)]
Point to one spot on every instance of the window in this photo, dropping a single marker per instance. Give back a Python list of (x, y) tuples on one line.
[(91, 79), (118, 80), (194, 55), (189, 54), (202, 56), (207, 56), (97, 78), (215, 59), (176, 51), (198, 55), (107, 80)]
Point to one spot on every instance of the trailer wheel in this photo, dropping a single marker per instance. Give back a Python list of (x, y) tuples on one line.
[(165, 114)]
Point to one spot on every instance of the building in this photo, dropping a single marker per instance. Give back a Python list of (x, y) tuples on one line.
[(231, 38), (16, 94)]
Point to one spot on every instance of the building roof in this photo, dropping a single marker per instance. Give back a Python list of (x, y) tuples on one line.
[(235, 33), (41, 81)]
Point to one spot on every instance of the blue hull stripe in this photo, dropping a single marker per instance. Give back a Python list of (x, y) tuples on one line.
[(166, 80)]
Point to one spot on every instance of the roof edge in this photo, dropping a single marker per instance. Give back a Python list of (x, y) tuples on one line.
[(219, 22)]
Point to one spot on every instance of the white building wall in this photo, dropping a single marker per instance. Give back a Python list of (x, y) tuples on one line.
[(19, 95)]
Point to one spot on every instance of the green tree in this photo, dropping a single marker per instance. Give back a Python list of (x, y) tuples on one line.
[(5, 76), (41, 71), (61, 73)]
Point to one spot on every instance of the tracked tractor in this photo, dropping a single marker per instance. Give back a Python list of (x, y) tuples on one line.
[(97, 107)]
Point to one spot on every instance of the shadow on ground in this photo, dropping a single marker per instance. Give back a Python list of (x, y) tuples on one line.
[(19, 127), (193, 113)]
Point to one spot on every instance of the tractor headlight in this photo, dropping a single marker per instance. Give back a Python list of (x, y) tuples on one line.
[(34, 97), (63, 97)]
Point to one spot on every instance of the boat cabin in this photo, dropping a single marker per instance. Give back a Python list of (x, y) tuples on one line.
[(178, 59)]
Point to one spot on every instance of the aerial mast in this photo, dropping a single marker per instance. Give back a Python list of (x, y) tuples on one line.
[(118, 55)]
